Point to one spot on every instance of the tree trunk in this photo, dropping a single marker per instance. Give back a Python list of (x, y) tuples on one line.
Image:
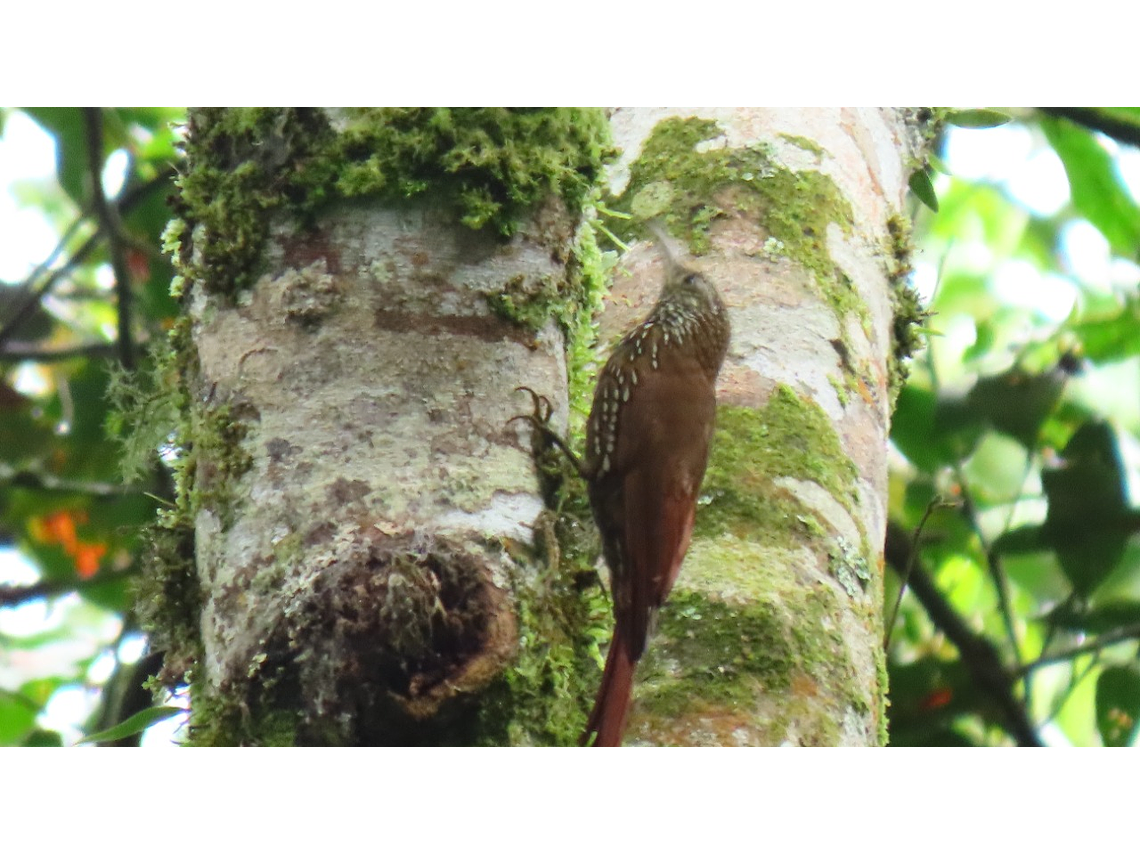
[(362, 553), (773, 633)]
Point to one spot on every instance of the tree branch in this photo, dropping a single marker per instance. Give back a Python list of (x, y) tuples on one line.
[(18, 352), (111, 226), (125, 204), (904, 574), (34, 480), (1118, 635), (977, 653), (14, 595), (1092, 118)]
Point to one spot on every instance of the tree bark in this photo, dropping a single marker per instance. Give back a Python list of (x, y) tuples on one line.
[(773, 634), (372, 553)]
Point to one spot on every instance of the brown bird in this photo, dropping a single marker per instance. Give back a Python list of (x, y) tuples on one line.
[(647, 445)]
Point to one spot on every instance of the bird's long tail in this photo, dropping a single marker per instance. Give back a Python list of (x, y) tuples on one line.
[(607, 721)]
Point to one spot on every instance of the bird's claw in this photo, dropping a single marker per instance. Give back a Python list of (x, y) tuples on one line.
[(540, 421), (543, 409)]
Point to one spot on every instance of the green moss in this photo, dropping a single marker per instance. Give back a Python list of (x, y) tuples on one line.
[(684, 178), (909, 321), (590, 274), (563, 617), (288, 550), (489, 165), (841, 391), (241, 166), (148, 411), (909, 318), (556, 674), (207, 456), (143, 412), (789, 437), (804, 143), (928, 124), (720, 658), (218, 458), (216, 722), (493, 164), (729, 651), (168, 597), (881, 714)]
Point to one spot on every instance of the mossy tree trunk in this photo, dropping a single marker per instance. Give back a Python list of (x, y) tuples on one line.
[(363, 291), (363, 551), (773, 634)]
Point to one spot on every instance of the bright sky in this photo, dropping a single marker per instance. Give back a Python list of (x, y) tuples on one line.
[(27, 152), (1018, 159)]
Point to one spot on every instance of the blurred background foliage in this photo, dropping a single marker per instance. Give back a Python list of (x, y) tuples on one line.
[(1014, 442), (71, 652)]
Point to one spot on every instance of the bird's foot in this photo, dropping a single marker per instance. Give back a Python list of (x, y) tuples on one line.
[(539, 419)]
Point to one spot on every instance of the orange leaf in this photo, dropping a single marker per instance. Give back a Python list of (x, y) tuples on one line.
[(87, 557), (936, 699), (56, 527)]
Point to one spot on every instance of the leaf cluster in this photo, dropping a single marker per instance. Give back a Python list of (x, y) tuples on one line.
[(1018, 438)]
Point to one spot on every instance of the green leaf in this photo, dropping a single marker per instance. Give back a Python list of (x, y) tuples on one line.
[(72, 167), (1017, 402), (39, 738), (1074, 616), (938, 165), (137, 723), (1018, 541), (40, 691), (921, 187), (985, 336), (933, 432), (976, 119), (1088, 522), (17, 717), (1097, 191), (1111, 338), (1118, 704), (113, 594), (927, 696), (23, 432)]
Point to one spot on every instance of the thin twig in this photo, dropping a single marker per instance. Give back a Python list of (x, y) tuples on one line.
[(1027, 686), (1118, 635), (996, 571), (934, 503), (1074, 681), (43, 266), (38, 292), (111, 226), (35, 480), (20, 352), (14, 595), (976, 652)]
